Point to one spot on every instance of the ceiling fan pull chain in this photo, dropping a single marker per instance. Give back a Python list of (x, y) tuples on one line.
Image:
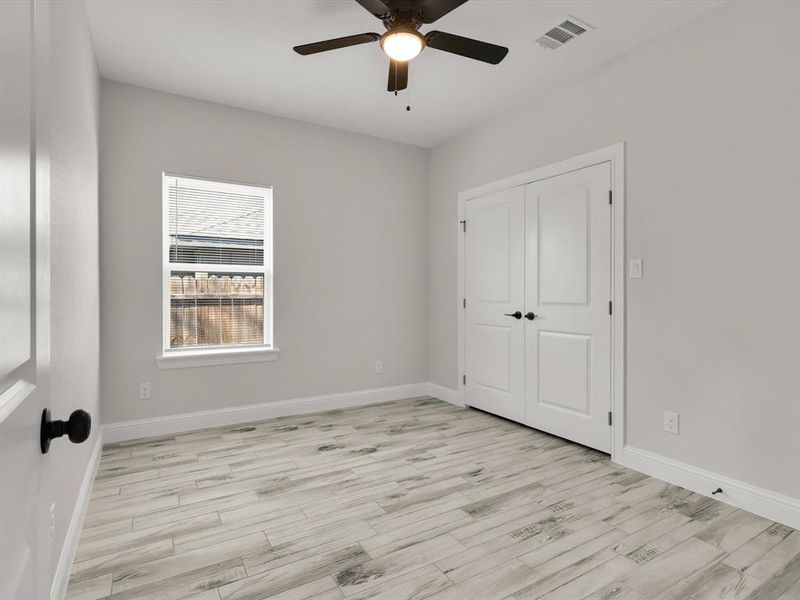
[(408, 99)]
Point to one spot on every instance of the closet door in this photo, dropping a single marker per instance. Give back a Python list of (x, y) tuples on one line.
[(568, 289), (494, 279)]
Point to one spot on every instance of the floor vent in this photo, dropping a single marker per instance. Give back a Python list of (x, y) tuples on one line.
[(563, 33)]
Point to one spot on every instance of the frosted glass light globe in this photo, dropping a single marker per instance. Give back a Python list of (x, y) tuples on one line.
[(402, 45)]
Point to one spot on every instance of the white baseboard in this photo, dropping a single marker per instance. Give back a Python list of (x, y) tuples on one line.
[(445, 393), (765, 503), (167, 425), (58, 589)]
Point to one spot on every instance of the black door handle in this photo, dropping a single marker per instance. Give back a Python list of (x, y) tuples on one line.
[(530, 316), (516, 315), (77, 428)]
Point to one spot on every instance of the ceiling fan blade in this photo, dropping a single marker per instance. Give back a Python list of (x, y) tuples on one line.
[(433, 10), (464, 46), (336, 43), (398, 75), (378, 8)]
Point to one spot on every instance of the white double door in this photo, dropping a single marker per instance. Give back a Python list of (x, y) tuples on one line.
[(537, 315)]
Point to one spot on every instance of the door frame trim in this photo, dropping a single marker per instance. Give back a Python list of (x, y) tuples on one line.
[(616, 156)]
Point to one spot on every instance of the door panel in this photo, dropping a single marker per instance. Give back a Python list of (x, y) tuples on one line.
[(563, 230), (19, 455), (494, 257), (493, 355), (565, 371), (492, 251), (15, 209), (568, 287)]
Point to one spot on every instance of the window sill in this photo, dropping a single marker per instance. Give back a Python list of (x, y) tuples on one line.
[(210, 358)]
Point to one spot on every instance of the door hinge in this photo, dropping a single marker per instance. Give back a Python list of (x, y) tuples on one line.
[(610, 196), (463, 226), (464, 303), (464, 379), (610, 307), (610, 419)]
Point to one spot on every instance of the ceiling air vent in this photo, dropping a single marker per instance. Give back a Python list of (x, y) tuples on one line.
[(563, 32)]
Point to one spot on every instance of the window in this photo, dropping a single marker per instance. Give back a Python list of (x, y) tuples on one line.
[(217, 266)]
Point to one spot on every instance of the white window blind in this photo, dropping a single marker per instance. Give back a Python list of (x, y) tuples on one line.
[(218, 264)]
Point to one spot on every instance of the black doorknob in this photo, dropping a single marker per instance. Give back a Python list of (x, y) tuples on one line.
[(530, 316), (516, 315), (78, 428)]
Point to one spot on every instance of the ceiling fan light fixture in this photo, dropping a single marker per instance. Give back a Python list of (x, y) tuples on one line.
[(402, 45)]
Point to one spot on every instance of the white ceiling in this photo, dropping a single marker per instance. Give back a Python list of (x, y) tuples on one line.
[(239, 52)]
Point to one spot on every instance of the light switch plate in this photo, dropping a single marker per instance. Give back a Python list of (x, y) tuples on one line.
[(635, 268)]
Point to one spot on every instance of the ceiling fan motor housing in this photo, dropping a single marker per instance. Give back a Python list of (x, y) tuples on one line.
[(411, 19)]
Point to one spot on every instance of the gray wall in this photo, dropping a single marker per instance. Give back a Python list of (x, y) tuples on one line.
[(73, 107), (350, 252), (711, 120)]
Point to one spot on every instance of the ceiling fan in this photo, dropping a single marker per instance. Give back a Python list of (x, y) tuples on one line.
[(403, 41)]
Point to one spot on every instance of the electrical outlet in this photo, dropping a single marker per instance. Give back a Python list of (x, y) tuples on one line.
[(53, 520), (378, 367), (144, 391), (671, 422)]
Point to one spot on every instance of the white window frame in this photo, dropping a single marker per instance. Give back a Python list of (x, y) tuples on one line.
[(203, 356)]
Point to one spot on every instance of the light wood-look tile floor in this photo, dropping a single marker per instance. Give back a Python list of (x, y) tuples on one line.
[(411, 499)]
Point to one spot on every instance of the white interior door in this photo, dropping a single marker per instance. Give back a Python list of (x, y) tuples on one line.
[(494, 282), (24, 310), (568, 289)]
